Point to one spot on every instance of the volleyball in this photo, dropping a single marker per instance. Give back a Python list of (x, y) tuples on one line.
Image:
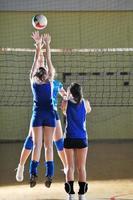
[(39, 22)]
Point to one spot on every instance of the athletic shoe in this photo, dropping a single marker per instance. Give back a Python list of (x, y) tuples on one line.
[(20, 173), (33, 179), (48, 181), (82, 197), (71, 197)]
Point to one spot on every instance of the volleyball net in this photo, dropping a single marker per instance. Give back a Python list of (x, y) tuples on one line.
[(105, 74)]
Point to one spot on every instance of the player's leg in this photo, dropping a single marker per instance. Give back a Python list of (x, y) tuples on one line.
[(69, 185), (81, 155), (59, 143), (27, 148), (49, 160), (36, 152)]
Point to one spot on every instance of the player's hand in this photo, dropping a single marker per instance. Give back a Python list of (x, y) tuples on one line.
[(46, 38), (38, 39)]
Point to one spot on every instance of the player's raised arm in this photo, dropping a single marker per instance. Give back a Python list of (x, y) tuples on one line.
[(38, 44), (51, 69)]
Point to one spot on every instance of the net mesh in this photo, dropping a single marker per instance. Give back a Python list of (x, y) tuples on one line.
[(105, 74)]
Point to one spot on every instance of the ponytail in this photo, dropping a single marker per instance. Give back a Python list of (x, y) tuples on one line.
[(76, 92), (77, 99), (40, 73)]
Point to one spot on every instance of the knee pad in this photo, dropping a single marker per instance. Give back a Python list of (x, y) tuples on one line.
[(59, 144), (69, 187), (83, 187), (28, 144)]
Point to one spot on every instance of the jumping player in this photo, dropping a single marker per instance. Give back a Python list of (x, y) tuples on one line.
[(43, 120), (76, 139)]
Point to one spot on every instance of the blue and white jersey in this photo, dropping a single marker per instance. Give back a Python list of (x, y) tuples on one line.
[(57, 86), (76, 120), (42, 96)]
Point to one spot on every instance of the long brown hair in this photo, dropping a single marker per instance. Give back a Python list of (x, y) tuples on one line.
[(41, 73), (76, 91)]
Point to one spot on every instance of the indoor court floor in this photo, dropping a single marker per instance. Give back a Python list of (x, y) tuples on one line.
[(98, 190), (109, 173)]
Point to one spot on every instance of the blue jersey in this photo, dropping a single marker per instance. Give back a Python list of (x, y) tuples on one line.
[(42, 96), (76, 120), (57, 85), (43, 108)]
